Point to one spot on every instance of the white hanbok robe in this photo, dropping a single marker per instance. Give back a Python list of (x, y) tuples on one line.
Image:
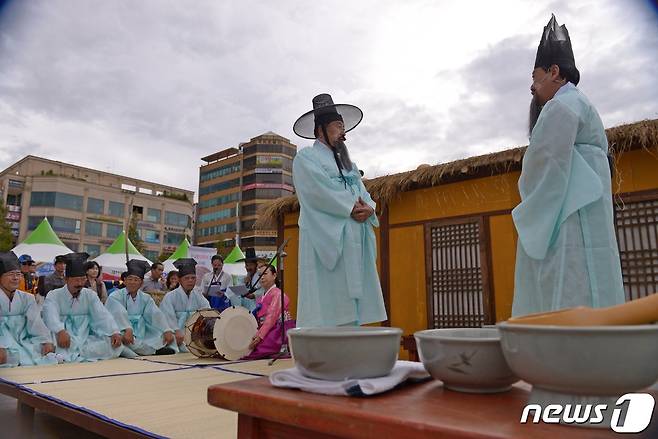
[(89, 324), (147, 321), (22, 331), (178, 306), (567, 252), (338, 280)]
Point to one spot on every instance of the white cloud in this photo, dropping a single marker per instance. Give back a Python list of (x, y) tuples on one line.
[(147, 88)]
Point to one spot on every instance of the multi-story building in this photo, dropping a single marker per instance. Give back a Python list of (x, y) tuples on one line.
[(88, 208), (234, 183)]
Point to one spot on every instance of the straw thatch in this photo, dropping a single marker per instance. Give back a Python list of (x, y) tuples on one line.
[(643, 134)]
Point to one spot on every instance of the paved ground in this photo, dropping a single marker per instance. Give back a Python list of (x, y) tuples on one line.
[(45, 426)]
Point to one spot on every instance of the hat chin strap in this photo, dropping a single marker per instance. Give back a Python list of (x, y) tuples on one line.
[(333, 150)]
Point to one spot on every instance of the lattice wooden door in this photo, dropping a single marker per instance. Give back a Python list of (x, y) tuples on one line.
[(637, 235), (457, 285)]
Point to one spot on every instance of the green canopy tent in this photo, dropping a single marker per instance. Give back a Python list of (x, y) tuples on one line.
[(113, 260), (42, 244)]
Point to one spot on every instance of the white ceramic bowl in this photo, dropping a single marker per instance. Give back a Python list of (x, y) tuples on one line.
[(582, 364), (588, 360), (465, 359), (341, 353)]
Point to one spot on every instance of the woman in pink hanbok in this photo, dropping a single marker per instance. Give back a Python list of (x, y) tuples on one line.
[(267, 340)]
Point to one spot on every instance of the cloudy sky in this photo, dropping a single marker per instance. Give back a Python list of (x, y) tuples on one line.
[(146, 88)]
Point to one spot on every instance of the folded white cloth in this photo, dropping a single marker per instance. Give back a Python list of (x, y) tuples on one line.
[(402, 371)]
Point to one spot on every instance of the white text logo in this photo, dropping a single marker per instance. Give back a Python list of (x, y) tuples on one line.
[(631, 414)]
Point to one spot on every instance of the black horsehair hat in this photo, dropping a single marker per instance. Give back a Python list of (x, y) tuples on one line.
[(75, 264), (137, 267), (185, 266), (8, 262), (249, 255), (325, 111), (555, 47)]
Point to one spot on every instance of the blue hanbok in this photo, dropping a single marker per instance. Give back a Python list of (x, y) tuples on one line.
[(147, 321), (87, 321), (338, 280), (567, 250), (22, 332), (178, 306)]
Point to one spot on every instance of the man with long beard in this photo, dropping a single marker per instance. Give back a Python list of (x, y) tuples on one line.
[(84, 330), (338, 281), (567, 251)]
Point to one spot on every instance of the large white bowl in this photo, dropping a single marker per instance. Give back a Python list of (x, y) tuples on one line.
[(337, 354), (465, 359), (582, 364)]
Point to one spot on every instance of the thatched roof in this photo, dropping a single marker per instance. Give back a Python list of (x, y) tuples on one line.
[(643, 134)]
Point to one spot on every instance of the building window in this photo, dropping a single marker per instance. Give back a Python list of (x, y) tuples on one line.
[(173, 238), (94, 205), (219, 200), (153, 215), (150, 236), (258, 241), (113, 230), (215, 230), (93, 250), (115, 209), (73, 245), (220, 214), (13, 199), (264, 194), (93, 228), (176, 219), (249, 209), (56, 199), (67, 225), (219, 186), (151, 255), (219, 172)]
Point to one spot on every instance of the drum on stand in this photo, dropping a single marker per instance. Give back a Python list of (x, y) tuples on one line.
[(227, 335)]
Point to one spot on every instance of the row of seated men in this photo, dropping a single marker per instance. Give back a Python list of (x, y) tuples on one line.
[(74, 326)]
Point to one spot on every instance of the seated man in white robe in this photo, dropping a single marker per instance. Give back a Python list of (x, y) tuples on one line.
[(144, 327), (24, 338), (179, 304), (84, 329)]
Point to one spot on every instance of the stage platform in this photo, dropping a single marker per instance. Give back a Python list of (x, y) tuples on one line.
[(159, 396)]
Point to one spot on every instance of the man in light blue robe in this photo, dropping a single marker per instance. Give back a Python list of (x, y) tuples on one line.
[(567, 250), (179, 304), (24, 338), (84, 329), (144, 328), (338, 280)]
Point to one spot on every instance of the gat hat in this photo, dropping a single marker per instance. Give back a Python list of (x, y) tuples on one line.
[(26, 260), (185, 266), (555, 48), (8, 262), (249, 255), (137, 268), (325, 111), (75, 264)]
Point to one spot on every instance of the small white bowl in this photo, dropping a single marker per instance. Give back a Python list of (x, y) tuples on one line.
[(582, 364), (340, 353), (465, 359)]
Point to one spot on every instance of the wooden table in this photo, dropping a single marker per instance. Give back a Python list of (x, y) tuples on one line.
[(424, 410)]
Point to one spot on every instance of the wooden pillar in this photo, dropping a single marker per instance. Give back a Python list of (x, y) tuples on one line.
[(384, 264)]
